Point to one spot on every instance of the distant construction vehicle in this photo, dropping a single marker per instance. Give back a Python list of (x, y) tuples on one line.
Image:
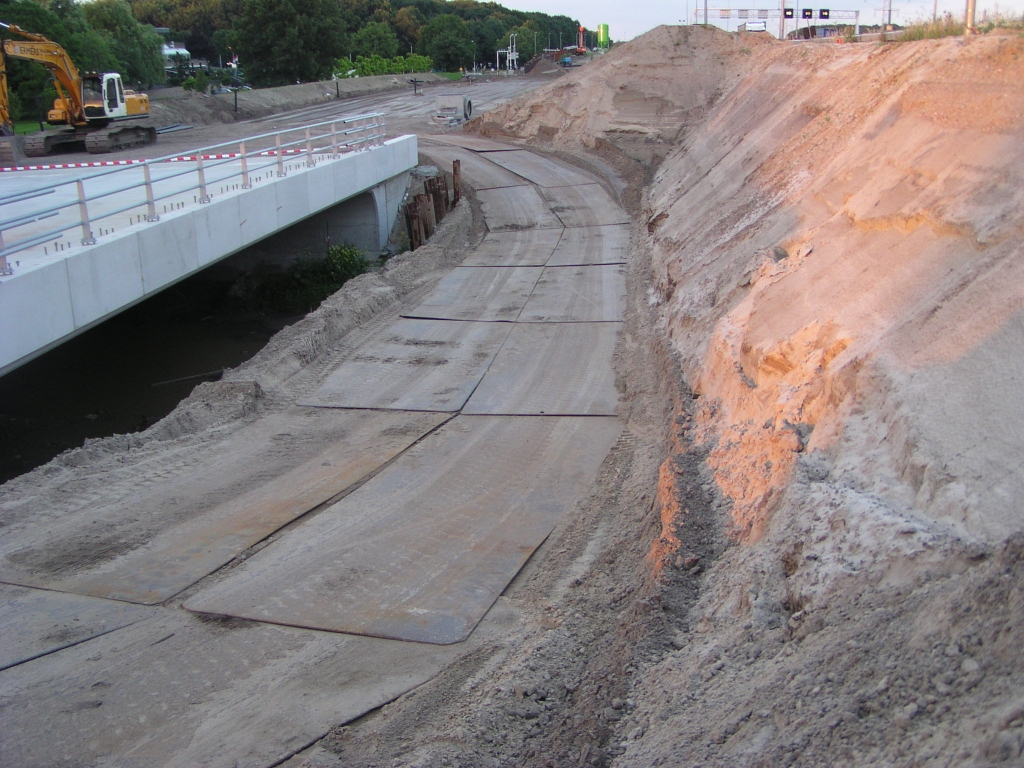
[(94, 106)]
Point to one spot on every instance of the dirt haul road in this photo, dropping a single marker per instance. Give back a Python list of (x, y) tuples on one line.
[(805, 547)]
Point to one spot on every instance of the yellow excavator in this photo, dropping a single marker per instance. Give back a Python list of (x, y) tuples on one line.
[(95, 107)]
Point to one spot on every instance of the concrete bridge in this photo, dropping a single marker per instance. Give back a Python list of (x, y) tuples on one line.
[(77, 247)]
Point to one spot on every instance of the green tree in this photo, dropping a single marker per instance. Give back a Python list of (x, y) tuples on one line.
[(409, 25), (375, 39), (89, 49), (284, 41), (194, 22), (225, 43), (359, 12), (526, 35), (447, 41), (137, 47)]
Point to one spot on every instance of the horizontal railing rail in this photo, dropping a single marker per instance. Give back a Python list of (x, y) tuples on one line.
[(77, 207)]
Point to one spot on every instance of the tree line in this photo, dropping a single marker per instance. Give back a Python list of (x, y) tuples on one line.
[(276, 41), (284, 41)]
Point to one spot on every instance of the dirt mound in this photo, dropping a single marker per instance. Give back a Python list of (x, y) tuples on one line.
[(642, 96), (835, 244)]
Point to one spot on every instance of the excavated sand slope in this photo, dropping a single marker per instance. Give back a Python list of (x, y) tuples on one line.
[(835, 235)]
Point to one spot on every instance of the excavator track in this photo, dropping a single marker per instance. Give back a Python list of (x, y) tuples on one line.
[(115, 138), (40, 145)]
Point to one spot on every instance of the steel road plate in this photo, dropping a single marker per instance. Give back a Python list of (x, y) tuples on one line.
[(37, 622), (525, 248), (479, 293), (577, 295), (422, 550), (517, 208), (476, 169), (540, 170), (177, 691), (473, 142), (180, 526), (415, 365), (584, 206), (560, 369), (591, 245)]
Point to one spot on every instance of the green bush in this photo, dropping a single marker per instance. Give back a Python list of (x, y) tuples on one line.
[(198, 82), (945, 26), (367, 66), (304, 285)]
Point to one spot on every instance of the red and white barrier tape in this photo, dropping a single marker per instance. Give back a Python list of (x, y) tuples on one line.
[(181, 159)]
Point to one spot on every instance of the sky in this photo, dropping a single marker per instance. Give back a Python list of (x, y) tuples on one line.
[(627, 19)]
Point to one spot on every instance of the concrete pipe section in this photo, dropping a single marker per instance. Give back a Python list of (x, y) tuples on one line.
[(259, 586)]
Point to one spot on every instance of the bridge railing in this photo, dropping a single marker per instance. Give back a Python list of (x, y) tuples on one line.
[(143, 190)]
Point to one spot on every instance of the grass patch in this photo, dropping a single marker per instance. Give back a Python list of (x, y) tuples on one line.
[(302, 286), (450, 75), (23, 127), (950, 26), (946, 26)]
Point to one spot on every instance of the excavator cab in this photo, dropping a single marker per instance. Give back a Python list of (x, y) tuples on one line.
[(102, 97)]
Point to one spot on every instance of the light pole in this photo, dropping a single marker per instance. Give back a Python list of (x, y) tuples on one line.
[(474, 54)]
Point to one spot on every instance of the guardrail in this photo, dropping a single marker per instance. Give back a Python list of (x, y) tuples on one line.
[(157, 181)]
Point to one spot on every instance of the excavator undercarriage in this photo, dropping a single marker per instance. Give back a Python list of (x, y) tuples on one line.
[(95, 141)]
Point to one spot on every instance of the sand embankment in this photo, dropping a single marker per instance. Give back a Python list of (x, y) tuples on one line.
[(835, 245)]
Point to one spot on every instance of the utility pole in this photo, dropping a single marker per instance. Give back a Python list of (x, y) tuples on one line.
[(969, 20)]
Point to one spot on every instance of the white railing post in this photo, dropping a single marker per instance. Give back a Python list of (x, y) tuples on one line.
[(151, 214), (83, 211), (309, 150), (245, 167), (203, 197), (280, 157), (334, 140)]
